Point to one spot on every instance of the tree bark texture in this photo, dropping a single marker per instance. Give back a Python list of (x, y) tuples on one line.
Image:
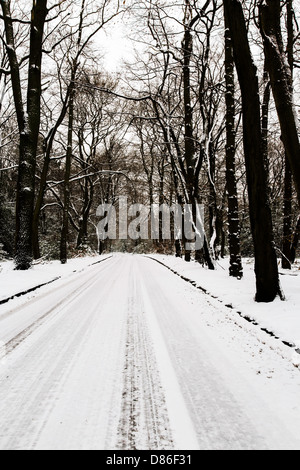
[(288, 177), (281, 82), (28, 118), (235, 269), (66, 205), (266, 269)]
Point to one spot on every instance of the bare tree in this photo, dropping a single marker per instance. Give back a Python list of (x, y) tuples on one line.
[(266, 269), (288, 180), (281, 82), (236, 269), (98, 120), (28, 117), (178, 94)]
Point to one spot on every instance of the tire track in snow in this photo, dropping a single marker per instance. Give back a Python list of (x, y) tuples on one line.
[(55, 310), (144, 422), (23, 335), (43, 367), (217, 363), (114, 367), (227, 306)]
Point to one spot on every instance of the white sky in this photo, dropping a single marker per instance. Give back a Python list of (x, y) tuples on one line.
[(115, 46)]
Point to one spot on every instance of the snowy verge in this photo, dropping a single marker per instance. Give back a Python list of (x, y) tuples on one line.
[(280, 318), (15, 283)]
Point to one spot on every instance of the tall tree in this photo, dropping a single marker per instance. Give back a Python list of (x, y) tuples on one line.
[(281, 82), (288, 180), (266, 269), (69, 153), (236, 269), (175, 66), (28, 117)]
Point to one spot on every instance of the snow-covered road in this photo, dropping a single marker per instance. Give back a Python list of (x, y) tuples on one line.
[(126, 355)]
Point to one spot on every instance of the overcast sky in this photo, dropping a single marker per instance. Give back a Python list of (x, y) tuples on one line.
[(115, 45)]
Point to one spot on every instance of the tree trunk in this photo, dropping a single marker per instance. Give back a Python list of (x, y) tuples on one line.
[(28, 124), (83, 225), (281, 82), (295, 241), (288, 179), (192, 173), (179, 199), (266, 269), (212, 205), (65, 223), (235, 269), (25, 202), (187, 48), (265, 122), (287, 217), (28, 143)]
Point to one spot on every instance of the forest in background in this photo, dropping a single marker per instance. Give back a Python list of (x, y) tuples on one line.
[(204, 112)]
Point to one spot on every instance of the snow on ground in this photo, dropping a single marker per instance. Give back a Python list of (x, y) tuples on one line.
[(240, 385), (281, 318), (14, 282), (125, 355)]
